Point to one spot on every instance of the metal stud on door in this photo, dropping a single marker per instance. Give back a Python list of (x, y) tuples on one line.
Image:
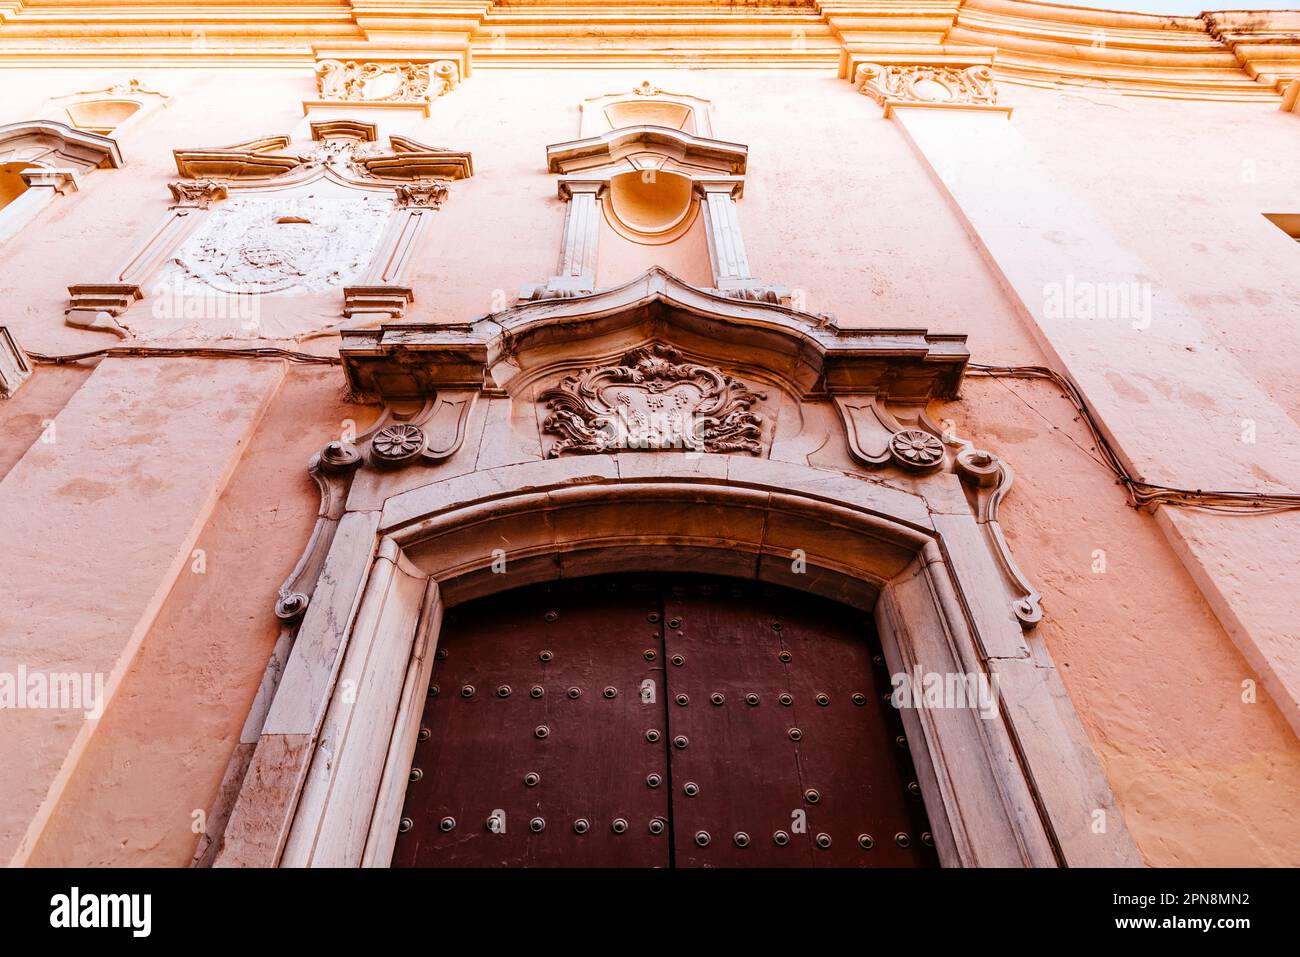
[(535, 750), (738, 758), (807, 758)]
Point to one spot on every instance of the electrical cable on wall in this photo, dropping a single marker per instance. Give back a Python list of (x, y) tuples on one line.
[(1140, 494), (203, 352), (1146, 494)]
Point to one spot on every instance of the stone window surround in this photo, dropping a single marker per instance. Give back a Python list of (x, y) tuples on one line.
[(716, 170), (261, 166), (58, 155)]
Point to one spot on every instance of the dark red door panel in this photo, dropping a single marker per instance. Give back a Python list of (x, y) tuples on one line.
[(658, 720), (738, 756), (863, 805), (537, 750)]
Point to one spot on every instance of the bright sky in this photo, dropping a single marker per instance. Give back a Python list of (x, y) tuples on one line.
[(1180, 7)]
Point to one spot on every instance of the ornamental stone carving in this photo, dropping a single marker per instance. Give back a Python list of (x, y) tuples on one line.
[(351, 81), (431, 194), (653, 400), (200, 194), (926, 84), (397, 444), (916, 449)]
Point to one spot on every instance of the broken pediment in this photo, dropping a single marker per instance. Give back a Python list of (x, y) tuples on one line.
[(345, 149)]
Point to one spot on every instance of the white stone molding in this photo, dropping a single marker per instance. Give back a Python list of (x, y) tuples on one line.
[(116, 109), (96, 306), (646, 104), (47, 143), (576, 272), (731, 275), (507, 350), (15, 368)]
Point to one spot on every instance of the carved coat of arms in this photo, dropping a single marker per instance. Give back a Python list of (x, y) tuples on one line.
[(286, 242), (652, 400)]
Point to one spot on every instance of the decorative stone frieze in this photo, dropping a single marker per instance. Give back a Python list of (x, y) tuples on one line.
[(925, 83), (938, 83), (352, 81)]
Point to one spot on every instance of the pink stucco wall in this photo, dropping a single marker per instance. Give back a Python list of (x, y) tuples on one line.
[(837, 207)]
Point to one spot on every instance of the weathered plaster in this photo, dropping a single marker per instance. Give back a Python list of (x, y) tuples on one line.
[(141, 455)]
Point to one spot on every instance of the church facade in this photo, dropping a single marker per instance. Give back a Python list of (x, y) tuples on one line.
[(509, 434)]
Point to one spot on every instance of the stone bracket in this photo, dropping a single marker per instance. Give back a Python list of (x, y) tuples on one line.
[(332, 469), (376, 303), (97, 305), (877, 438)]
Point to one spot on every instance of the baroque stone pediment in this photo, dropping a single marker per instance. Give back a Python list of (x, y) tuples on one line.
[(504, 350), (54, 144), (657, 365), (625, 149)]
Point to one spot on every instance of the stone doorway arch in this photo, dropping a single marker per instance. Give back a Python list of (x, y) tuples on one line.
[(650, 427), (327, 778)]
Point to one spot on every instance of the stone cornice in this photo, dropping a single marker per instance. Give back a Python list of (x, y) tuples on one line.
[(806, 352), (1225, 55)]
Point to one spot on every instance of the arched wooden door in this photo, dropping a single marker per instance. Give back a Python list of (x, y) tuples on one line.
[(656, 721)]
